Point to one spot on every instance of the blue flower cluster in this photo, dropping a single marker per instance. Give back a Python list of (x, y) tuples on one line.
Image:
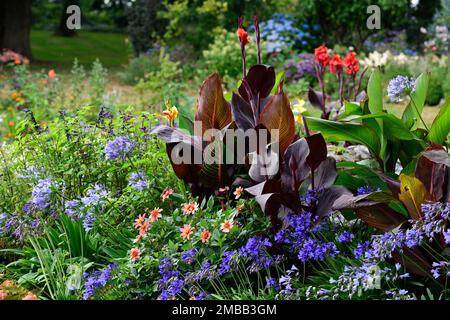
[(171, 283), (366, 190), (256, 252), (400, 86), (96, 280), (138, 181), (119, 148), (280, 33), (86, 207), (41, 194), (301, 237), (189, 255)]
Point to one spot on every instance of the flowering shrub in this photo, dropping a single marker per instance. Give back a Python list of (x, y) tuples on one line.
[(280, 35)]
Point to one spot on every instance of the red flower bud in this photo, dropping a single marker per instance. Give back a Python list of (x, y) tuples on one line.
[(322, 56), (336, 64), (243, 36)]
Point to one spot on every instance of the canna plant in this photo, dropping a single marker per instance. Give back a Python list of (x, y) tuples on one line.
[(253, 107), (389, 139), (336, 65)]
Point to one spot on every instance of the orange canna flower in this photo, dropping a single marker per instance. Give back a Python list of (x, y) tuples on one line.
[(135, 254), (52, 74), (205, 235), (186, 231), (155, 214), (11, 123), (226, 226), (238, 192), (189, 208), (139, 221), (30, 296), (167, 192), (171, 113), (243, 36)]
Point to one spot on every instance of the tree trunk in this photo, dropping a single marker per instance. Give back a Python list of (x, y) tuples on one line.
[(15, 26), (62, 27)]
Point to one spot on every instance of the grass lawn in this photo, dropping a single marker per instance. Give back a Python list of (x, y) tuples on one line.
[(112, 49)]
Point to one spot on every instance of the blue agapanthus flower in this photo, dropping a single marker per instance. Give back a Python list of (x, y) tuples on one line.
[(138, 181), (400, 86), (41, 194), (366, 190)]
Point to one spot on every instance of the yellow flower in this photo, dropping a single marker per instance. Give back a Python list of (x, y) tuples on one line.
[(299, 106)]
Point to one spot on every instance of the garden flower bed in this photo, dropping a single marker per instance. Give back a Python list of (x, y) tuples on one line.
[(352, 204)]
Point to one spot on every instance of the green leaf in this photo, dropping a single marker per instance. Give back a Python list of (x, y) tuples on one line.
[(375, 93), (278, 79), (441, 125), (338, 131), (411, 115), (394, 128), (351, 109)]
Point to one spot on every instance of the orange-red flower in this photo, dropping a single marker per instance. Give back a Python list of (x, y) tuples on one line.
[(336, 64), (239, 209), (238, 192), (205, 235), (351, 64), (322, 56), (139, 221), (52, 74), (167, 192), (135, 254), (7, 284), (11, 123), (3, 295), (189, 208), (226, 226), (171, 113), (186, 231), (243, 36), (155, 214), (30, 296), (144, 227)]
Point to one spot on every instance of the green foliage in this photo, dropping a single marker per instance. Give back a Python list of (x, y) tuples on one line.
[(139, 67), (388, 138), (165, 81)]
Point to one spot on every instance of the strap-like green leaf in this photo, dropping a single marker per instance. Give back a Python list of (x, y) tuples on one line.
[(441, 125)]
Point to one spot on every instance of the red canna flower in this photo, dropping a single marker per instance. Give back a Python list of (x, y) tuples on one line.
[(336, 64), (351, 64), (243, 36), (322, 56)]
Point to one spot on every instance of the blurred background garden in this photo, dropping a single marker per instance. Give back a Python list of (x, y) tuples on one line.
[(139, 54)]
